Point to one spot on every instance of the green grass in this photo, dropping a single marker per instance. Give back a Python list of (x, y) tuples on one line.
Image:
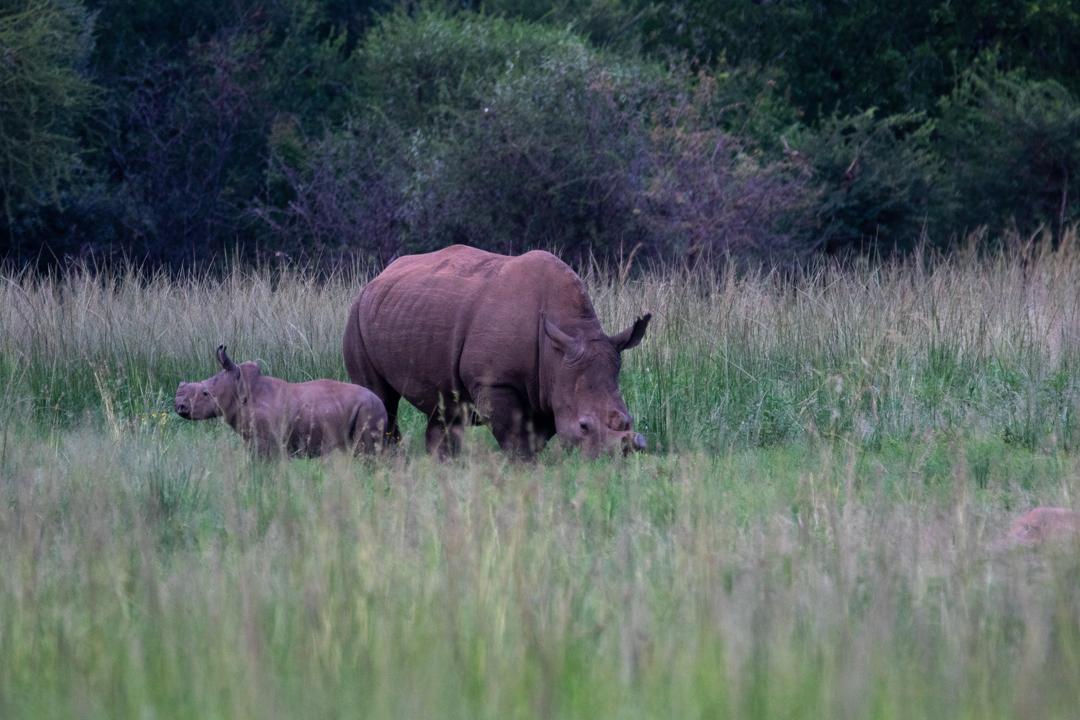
[(810, 537)]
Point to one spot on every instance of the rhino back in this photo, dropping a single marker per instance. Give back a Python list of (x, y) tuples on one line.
[(436, 324), (316, 416)]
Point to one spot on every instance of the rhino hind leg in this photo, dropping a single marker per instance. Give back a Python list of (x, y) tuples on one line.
[(362, 371), (368, 431), (390, 433)]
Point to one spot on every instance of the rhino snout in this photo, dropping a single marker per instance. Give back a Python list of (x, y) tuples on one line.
[(633, 442), (620, 421)]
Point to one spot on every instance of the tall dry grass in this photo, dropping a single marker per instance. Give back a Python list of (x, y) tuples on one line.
[(986, 346)]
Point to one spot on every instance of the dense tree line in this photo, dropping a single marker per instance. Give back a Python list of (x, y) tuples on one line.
[(176, 132)]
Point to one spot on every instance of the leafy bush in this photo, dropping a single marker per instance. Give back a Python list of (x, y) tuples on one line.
[(880, 181), (341, 195), (1013, 149), (844, 58), (554, 157), (510, 137), (604, 23), (721, 194), (187, 133), (187, 130), (423, 70)]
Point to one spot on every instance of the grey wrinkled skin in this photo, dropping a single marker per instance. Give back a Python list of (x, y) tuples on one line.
[(469, 336), (280, 418)]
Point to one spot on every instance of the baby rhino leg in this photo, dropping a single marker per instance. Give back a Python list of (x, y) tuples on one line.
[(368, 430), (264, 436)]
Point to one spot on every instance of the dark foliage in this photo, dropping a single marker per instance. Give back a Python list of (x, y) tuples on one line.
[(896, 55), (44, 100), (1013, 150), (505, 139), (341, 196), (174, 133), (881, 181)]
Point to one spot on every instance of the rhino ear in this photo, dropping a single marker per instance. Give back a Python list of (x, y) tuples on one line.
[(631, 336), (566, 344), (226, 361)]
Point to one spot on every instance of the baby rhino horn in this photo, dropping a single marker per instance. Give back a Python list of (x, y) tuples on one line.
[(225, 360)]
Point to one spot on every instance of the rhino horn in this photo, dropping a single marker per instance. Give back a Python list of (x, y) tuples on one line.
[(225, 360)]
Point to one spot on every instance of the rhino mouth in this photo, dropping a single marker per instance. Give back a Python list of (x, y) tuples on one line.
[(633, 442)]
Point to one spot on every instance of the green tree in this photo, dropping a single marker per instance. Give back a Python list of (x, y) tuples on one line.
[(190, 121), (1012, 146), (881, 181), (44, 98), (895, 55), (512, 135), (611, 24), (129, 30)]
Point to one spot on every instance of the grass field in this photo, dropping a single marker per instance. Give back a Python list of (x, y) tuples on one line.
[(810, 535)]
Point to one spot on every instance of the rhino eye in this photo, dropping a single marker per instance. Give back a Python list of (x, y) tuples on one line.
[(206, 393)]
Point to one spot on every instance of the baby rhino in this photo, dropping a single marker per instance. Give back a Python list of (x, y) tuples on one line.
[(275, 417)]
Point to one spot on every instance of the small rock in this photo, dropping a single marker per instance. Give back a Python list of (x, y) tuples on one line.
[(1044, 524)]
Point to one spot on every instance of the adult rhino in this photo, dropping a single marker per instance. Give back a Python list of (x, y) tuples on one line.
[(513, 342)]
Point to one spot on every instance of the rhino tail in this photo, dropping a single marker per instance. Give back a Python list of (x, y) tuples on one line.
[(353, 344)]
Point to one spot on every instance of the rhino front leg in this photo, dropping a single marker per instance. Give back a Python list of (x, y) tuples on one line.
[(444, 439), (509, 419), (391, 432)]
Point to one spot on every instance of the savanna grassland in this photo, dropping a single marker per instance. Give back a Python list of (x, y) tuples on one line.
[(814, 532)]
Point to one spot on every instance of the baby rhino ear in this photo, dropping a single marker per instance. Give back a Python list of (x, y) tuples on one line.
[(226, 361)]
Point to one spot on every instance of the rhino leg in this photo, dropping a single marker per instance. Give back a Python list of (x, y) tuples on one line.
[(366, 376), (368, 432), (510, 422), (391, 399), (269, 448), (444, 439)]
